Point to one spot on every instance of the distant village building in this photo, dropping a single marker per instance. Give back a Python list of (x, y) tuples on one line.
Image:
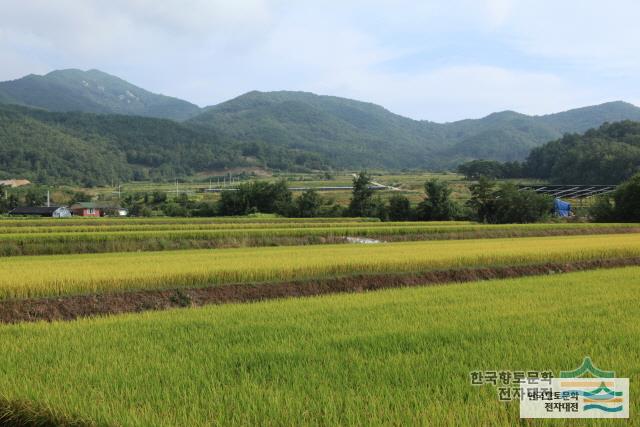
[(88, 209), (13, 183), (93, 209), (44, 211)]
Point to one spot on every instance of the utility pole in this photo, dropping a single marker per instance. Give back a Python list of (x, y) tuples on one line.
[(48, 199)]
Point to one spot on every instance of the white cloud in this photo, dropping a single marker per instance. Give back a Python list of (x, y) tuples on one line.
[(534, 57), (589, 33), (463, 91), (499, 11)]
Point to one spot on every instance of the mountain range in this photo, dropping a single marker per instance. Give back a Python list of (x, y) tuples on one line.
[(92, 92), (278, 130)]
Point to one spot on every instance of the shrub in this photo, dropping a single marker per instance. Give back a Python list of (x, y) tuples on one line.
[(437, 205), (627, 200), (308, 204), (602, 210), (362, 196), (626, 203), (257, 196), (399, 208), (507, 204)]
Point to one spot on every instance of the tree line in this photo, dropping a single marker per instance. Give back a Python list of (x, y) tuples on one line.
[(609, 154), (490, 202), (623, 205)]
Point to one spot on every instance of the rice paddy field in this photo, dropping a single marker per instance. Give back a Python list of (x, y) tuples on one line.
[(45, 276), (46, 237), (399, 356), (396, 357)]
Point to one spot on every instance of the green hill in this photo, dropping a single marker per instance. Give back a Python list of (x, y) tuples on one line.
[(99, 149), (356, 134), (94, 92), (38, 151), (348, 133), (609, 154), (504, 136), (582, 119)]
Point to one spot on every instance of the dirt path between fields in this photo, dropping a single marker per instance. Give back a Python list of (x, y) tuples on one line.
[(73, 307)]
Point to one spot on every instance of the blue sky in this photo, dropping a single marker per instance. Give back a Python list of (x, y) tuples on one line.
[(432, 60)]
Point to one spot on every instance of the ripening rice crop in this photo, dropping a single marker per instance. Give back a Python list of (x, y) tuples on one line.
[(15, 232), (398, 357), (262, 219), (124, 238), (124, 226), (62, 275)]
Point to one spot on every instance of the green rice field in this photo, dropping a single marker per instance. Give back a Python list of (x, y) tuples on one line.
[(394, 357), (389, 357)]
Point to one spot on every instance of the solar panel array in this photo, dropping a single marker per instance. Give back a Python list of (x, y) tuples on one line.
[(570, 191)]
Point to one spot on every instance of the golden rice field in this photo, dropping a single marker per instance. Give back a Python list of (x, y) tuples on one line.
[(42, 276), (127, 226), (130, 236), (384, 229), (79, 221), (15, 231)]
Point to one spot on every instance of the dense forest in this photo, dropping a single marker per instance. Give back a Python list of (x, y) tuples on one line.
[(93, 149), (350, 134), (609, 154)]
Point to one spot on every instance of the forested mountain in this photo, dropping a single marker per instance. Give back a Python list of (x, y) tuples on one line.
[(583, 119), (348, 133), (504, 136), (355, 134), (607, 155), (279, 130), (99, 149), (93, 92)]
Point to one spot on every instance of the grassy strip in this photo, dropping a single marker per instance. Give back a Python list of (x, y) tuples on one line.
[(127, 241), (397, 357), (25, 277)]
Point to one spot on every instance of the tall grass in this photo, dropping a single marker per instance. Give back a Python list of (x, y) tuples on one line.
[(398, 357), (22, 277)]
